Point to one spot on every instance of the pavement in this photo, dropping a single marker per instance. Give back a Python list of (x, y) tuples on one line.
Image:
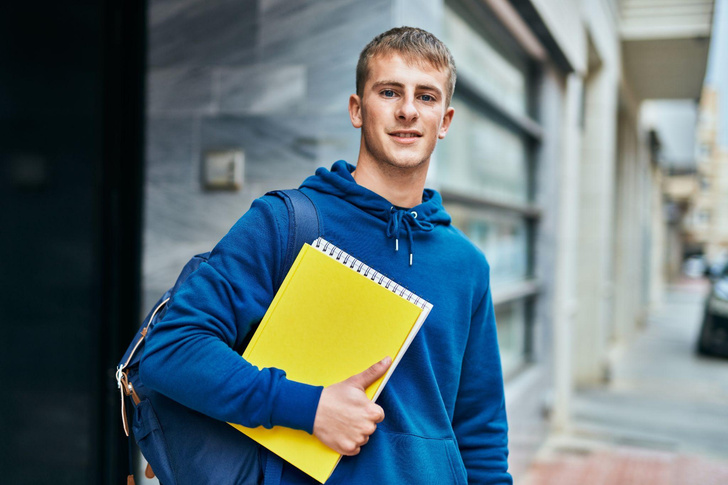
[(663, 417)]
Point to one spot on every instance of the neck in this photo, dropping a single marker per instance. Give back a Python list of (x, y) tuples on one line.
[(402, 187)]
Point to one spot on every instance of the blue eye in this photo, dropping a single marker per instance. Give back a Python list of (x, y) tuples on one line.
[(427, 97), (388, 93)]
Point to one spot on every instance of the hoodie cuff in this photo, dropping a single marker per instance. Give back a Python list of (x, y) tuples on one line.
[(296, 405)]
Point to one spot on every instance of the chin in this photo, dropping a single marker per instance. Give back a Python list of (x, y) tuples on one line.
[(406, 160), (405, 163)]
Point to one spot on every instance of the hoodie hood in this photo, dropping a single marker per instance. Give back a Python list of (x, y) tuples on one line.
[(400, 222)]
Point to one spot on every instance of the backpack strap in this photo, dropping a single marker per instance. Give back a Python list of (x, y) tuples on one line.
[(304, 226), (304, 223)]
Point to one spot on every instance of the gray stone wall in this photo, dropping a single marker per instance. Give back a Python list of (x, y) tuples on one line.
[(270, 77)]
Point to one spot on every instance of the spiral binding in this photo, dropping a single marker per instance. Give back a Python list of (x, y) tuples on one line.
[(348, 260)]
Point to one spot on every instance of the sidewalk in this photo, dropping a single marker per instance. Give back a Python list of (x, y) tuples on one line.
[(663, 418)]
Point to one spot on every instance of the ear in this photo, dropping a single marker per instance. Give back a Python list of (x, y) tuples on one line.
[(446, 120), (355, 110)]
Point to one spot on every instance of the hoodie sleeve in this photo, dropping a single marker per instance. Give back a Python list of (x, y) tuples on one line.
[(189, 354), (479, 420)]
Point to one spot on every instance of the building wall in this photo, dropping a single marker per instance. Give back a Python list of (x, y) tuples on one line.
[(269, 77), (612, 285), (527, 394), (564, 20)]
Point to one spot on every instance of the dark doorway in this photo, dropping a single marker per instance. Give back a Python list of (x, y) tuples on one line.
[(71, 167)]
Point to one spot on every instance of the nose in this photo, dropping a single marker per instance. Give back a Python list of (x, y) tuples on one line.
[(407, 111)]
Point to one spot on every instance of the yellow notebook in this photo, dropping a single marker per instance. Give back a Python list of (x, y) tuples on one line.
[(332, 318)]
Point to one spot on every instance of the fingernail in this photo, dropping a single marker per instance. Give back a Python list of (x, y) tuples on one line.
[(387, 360)]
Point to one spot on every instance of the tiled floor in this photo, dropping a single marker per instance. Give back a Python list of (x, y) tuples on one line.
[(661, 420), (627, 466)]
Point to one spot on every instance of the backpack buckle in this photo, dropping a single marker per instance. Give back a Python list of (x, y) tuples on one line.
[(125, 389)]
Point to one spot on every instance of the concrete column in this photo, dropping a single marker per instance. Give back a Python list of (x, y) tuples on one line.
[(628, 248), (645, 188), (596, 225), (657, 235), (565, 292)]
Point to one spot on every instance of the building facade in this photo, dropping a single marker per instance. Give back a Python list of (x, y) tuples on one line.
[(706, 218)]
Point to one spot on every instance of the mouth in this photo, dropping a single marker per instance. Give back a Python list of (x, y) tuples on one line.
[(405, 136)]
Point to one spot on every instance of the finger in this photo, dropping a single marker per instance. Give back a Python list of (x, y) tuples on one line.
[(350, 450), (374, 413), (378, 414), (369, 376)]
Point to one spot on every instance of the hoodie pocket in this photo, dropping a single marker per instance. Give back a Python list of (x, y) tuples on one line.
[(456, 462), (405, 459)]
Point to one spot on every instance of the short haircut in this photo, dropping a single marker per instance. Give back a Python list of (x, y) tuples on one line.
[(412, 44)]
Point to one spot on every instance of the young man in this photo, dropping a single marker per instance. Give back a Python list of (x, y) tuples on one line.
[(441, 419)]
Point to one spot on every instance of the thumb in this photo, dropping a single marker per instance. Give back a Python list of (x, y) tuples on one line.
[(369, 376)]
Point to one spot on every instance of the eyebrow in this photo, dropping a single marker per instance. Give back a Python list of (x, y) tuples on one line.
[(421, 87)]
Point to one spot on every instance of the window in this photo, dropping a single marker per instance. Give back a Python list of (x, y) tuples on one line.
[(483, 157), (479, 61), (502, 238), (485, 165), (511, 321)]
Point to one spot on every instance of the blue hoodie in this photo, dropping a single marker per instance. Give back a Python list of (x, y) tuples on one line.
[(444, 404)]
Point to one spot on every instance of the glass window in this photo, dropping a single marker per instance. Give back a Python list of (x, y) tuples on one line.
[(483, 158), (483, 66), (511, 322), (484, 163), (504, 240)]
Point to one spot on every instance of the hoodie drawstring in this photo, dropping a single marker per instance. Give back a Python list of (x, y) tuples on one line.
[(400, 218)]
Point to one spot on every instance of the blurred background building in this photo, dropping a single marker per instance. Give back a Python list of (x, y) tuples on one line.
[(572, 162)]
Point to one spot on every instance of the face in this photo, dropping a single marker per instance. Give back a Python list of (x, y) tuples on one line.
[(401, 112)]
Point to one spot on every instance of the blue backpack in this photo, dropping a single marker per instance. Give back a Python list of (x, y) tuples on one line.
[(183, 446)]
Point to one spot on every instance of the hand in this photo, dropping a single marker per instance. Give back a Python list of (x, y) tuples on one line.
[(345, 417)]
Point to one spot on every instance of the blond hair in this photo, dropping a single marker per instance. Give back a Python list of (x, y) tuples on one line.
[(412, 44)]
